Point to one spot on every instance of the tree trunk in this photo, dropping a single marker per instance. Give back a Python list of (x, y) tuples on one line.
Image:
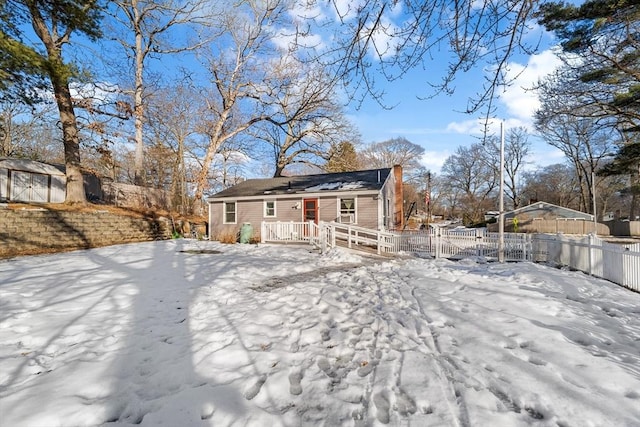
[(203, 175), (75, 183), (138, 107), (59, 75)]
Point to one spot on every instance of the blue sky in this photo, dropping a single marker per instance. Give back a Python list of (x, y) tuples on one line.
[(439, 124)]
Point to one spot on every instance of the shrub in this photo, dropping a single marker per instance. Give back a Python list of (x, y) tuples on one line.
[(227, 238)]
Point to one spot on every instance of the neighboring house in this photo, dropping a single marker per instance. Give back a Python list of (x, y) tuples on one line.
[(30, 181), (543, 217), (369, 198), (545, 211)]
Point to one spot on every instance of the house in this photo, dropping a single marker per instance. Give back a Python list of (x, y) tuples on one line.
[(368, 198), (546, 211), (543, 217)]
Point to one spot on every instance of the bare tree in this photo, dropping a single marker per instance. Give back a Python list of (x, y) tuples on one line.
[(173, 123), (150, 30), (474, 177), (557, 184), (516, 150), (395, 151), (305, 119), (585, 141), (235, 69), (390, 38), (30, 133)]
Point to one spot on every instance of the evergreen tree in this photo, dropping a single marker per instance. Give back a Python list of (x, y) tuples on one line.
[(53, 23), (605, 36), (342, 158), (602, 38)]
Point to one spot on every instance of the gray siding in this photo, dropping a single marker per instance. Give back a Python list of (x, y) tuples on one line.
[(367, 214), (288, 209)]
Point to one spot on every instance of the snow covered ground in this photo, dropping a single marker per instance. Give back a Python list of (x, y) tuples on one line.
[(187, 333)]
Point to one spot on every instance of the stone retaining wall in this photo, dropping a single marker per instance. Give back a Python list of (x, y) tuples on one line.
[(37, 231)]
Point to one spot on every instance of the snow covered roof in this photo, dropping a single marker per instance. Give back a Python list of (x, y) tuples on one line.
[(373, 179)]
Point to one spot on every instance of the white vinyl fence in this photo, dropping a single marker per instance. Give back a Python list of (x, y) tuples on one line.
[(618, 263), (443, 243), (615, 262)]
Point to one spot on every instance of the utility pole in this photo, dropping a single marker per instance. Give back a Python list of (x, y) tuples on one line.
[(428, 198), (593, 193), (501, 215)]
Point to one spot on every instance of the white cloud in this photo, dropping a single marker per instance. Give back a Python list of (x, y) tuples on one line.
[(304, 11), (287, 40), (346, 9), (544, 156), (519, 98), (433, 160), (466, 127)]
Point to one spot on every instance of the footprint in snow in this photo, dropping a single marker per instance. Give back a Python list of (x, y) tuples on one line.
[(405, 405), (382, 405), (325, 367), (254, 389), (366, 368), (295, 377)]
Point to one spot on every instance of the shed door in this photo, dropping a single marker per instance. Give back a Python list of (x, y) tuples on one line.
[(39, 188), (20, 186), (29, 187), (310, 210)]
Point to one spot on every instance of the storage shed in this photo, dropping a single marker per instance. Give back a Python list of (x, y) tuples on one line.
[(30, 181)]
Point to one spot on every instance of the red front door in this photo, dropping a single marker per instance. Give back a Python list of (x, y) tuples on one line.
[(310, 210)]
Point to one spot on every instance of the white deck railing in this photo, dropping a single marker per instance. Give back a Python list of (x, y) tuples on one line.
[(617, 263)]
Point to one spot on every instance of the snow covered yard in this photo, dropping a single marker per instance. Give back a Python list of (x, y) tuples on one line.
[(185, 333)]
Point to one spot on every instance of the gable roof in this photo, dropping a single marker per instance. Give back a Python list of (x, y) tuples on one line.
[(550, 207), (373, 179), (32, 166)]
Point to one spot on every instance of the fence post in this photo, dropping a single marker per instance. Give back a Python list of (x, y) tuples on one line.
[(437, 254), (323, 237), (263, 231), (591, 254)]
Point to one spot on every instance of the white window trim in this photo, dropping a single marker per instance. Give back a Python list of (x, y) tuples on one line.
[(355, 207), (224, 212), (264, 210)]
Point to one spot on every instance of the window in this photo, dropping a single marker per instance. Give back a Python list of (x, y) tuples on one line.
[(347, 206), (270, 208), (229, 212), (347, 210)]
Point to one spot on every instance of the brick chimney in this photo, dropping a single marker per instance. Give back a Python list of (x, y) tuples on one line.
[(398, 210)]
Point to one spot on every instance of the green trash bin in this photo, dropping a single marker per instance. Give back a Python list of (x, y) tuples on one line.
[(246, 232)]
